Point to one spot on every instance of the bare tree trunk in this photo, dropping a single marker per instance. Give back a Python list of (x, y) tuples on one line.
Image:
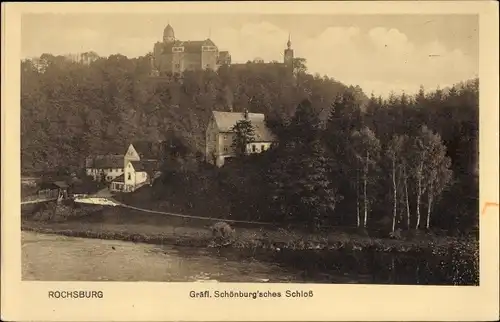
[(419, 195), (395, 195), (364, 191), (419, 190), (407, 198), (429, 206), (358, 221)]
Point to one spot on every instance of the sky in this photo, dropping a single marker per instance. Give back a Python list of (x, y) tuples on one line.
[(380, 53)]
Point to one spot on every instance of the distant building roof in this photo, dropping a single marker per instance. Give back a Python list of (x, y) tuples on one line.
[(85, 186), (226, 120), (104, 162), (48, 184), (148, 166), (190, 46), (149, 150)]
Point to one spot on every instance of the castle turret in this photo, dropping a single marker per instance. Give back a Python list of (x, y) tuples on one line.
[(168, 34), (288, 54)]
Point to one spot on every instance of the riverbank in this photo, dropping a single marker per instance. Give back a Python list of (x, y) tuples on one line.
[(128, 225)]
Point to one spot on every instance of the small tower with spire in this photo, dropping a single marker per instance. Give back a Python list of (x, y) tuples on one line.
[(288, 54), (168, 34)]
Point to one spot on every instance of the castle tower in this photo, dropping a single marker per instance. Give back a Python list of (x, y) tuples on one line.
[(168, 34), (288, 54), (154, 71)]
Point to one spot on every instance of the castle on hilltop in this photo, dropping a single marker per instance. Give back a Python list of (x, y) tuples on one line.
[(176, 56)]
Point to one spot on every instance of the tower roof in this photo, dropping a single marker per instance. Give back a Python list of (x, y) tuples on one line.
[(289, 42), (168, 32)]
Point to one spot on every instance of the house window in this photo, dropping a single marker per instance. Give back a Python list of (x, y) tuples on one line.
[(254, 148), (129, 176), (109, 177), (263, 147), (225, 149)]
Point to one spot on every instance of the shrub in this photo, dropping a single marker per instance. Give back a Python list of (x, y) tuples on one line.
[(222, 233), (397, 234)]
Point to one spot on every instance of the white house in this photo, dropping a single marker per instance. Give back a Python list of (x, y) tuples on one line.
[(141, 164), (219, 135), (104, 167)]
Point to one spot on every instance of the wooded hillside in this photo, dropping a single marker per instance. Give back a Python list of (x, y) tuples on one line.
[(71, 110), (404, 162)]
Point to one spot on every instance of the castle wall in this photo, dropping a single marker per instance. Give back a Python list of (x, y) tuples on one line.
[(192, 61), (209, 60), (178, 60)]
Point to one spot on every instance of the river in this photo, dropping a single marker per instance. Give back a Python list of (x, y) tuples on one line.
[(60, 258)]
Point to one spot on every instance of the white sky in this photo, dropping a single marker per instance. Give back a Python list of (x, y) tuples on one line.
[(381, 53)]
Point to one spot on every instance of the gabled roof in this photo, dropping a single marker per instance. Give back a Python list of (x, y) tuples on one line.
[(226, 120), (85, 187), (105, 161), (120, 178), (263, 133), (48, 184), (148, 166), (151, 150), (190, 46)]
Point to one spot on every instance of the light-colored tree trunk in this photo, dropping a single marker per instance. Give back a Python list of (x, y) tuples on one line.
[(358, 219), (365, 199), (419, 194), (429, 206), (394, 214), (408, 216)]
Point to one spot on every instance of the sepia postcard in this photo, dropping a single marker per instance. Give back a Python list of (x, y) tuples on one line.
[(246, 161)]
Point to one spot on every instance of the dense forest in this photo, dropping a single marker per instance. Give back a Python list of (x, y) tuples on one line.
[(343, 159), (71, 110)]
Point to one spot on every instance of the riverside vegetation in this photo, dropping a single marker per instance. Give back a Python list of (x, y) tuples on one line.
[(399, 171)]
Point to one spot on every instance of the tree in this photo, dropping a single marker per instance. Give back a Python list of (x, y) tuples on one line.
[(366, 148), (438, 170), (299, 65), (300, 187), (431, 171), (305, 126), (244, 133), (394, 153)]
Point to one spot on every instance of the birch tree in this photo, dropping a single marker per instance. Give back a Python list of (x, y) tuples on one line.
[(394, 153), (438, 171), (431, 171), (366, 152)]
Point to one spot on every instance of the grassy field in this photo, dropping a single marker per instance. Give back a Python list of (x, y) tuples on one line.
[(129, 225)]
